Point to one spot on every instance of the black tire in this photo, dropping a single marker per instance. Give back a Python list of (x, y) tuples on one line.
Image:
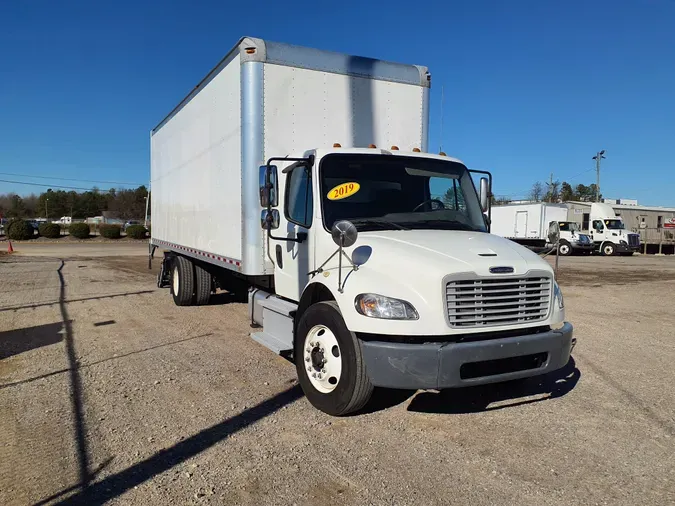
[(203, 284), (564, 249), (354, 389), (608, 249), (182, 281)]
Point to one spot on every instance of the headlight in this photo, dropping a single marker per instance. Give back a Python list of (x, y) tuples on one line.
[(379, 306), (558, 296), (623, 242)]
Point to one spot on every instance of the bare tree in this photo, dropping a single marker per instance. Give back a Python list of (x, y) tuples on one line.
[(537, 192), (553, 191)]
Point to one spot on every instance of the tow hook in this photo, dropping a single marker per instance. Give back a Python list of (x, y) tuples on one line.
[(574, 342)]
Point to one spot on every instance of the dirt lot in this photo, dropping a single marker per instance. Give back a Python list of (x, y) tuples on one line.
[(109, 392)]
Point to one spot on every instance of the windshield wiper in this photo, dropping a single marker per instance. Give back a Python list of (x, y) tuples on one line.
[(446, 224), (378, 221)]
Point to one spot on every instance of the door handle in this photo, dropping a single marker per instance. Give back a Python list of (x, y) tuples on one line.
[(280, 260)]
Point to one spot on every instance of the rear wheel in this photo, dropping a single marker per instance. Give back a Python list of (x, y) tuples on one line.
[(329, 361), (608, 249), (182, 281), (203, 285)]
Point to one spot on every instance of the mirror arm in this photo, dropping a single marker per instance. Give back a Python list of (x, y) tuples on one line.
[(309, 160), (302, 236)]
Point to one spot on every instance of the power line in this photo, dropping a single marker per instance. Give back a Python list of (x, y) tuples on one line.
[(70, 179), (47, 185)]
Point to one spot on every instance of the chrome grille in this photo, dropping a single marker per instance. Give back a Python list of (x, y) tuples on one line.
[(633, 240), (502, 301)]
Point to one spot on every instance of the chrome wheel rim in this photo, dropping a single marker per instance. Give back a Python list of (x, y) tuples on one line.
[(322, 359)]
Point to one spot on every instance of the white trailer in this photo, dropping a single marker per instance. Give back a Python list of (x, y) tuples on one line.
[(536, 225), (301, 177)]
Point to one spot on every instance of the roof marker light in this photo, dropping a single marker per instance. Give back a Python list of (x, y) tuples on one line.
[(337, 145), (372, 146), (416, 150), (394, 148)]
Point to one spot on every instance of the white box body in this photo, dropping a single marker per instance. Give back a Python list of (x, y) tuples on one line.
[(267, 100)]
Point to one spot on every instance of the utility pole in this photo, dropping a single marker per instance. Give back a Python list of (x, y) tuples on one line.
[(550, 189), (440, 143), (599, 156)]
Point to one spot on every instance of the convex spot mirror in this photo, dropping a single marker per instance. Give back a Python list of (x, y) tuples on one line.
[(269, 219), (268, 179), (344, 233)]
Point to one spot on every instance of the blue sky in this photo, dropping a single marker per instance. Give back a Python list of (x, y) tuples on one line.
[(531, 87)]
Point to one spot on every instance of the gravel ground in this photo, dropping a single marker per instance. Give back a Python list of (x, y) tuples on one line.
[(110, 393)]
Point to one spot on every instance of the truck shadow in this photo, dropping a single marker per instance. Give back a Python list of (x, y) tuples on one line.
[(508, 395), (14, 342)]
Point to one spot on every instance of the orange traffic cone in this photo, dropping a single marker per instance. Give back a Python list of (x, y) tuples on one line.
[(9, 248)]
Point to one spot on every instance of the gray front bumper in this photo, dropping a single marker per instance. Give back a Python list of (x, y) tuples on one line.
[(625, 248), (439, 365)]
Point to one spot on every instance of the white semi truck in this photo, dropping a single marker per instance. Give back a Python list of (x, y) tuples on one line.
[(608, 232), (536, 225), (302, 178)]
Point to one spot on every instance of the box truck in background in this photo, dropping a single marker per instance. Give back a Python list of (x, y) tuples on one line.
[(536, 225), (301, 178)]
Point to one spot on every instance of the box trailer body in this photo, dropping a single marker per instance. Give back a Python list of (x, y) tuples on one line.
[(268, 99), (301, 177), (537, 224), (526, 223)]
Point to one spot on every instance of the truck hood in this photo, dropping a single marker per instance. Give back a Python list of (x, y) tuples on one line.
[(448, 252)]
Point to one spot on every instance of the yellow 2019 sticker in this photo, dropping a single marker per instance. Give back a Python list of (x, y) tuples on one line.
[(344, 190)]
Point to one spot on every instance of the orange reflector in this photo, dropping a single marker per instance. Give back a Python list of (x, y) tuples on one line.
[(372, 146), (250, 50), (416, 150), (394, 148), (442, 153), (337, 145)]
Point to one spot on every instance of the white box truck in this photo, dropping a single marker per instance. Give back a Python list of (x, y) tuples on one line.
[(536, 225), (301, 177)]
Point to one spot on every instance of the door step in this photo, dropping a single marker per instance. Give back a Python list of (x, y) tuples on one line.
[(277, 331), (272, 342)]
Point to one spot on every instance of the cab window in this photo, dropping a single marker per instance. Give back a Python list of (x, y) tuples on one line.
[(299, 197)]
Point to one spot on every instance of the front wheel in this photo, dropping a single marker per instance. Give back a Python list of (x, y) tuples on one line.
[(564, 249), (329, 362), (608, 249)]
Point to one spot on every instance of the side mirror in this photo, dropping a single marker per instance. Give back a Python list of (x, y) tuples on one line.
[(269, 219), (484, 194), (268, 186)]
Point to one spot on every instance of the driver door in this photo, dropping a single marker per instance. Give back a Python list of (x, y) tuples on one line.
[(293, 260), (598, 231)]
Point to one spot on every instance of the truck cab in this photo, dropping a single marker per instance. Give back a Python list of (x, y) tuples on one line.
[(608, 232), (387, 275), (571, 240)]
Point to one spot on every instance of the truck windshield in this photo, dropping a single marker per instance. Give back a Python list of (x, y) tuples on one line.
[(385, 192), (614, 224), (566, 226)]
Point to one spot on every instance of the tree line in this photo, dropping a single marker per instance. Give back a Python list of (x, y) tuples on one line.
[(555, 191), (124, 204)]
